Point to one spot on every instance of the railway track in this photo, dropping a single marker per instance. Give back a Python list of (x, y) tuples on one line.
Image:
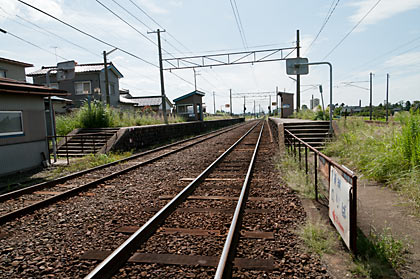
[(223, 183), (69, 239), (26, 200)]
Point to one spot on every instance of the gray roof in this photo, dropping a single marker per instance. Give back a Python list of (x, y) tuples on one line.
[(147, 101), (80, 68)]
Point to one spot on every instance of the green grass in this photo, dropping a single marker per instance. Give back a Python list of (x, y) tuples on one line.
[(101, 116), (386, 153), (309, 114), (379, 255), (294, 175), (89, 161), (318, 238)]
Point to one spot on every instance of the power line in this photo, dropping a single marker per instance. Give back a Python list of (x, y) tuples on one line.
[(327, 18), (28, 42), (126, 22), (238, 25), (357, 24), (47, 31), (87, 34), (144, 12)]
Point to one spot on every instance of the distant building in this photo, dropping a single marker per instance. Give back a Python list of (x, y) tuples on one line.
[(351, 109), (23, 134), (190, 106), (142, 102), (89, 81), (314, 103), (13, 69)]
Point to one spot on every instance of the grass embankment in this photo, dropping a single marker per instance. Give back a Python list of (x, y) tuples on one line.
[(100, 116), (389, 154)]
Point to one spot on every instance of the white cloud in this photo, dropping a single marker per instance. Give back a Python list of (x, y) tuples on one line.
[(404, 60), (52, 7), (153, 6), (385, 9)]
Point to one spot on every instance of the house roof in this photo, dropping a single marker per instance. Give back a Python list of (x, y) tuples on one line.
[(80, 68), (196, 92), (143, 101), (14, 62), (12, 86)]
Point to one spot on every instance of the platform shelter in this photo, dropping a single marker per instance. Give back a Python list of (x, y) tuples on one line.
[(190, 106)]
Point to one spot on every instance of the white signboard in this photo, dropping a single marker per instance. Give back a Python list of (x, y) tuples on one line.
[(339, 204)]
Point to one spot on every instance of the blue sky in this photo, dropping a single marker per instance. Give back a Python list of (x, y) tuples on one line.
[(386, 41)]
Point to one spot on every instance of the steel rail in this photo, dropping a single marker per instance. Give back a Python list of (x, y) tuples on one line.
[(120, 255), (224, 267), (63, 179), (30, 208)]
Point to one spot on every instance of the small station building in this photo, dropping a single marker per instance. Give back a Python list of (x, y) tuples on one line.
[(23, 126), (190, 106)]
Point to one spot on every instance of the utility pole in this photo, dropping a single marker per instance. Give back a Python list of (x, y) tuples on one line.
[(254, 110), (277, 100), (244, 106), (269, 105), (230, 97), (312, 105), (297, 76), (106, 79), (322, 98), (214, 103), (370, 102), (387, 91), (162, 84), (195, 79)]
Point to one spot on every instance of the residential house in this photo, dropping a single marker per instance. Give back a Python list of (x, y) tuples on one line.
[(145, 102), (13, 69), (89, 82), (190, 106), (23, 134)]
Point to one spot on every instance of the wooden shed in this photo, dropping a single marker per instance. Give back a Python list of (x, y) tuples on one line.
[(190, 106), (23, 134)]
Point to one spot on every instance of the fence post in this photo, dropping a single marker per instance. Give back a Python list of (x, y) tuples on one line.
[(306, 160), (67, 151), (83, 141), (94, 144), (300, 155), (353, 216), (316, 175)]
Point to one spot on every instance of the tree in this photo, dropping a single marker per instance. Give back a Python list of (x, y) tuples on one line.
[(407, 106)]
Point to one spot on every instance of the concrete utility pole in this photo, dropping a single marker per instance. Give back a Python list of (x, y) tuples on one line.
[(244, 106), (195, 79), (162, 84), (322, 98), (312, 105), (214, 103), (387, 91), (277, 100), (297, 76), (269, 105), (370, 102), (230, 97), (106, 79), (254, 110)]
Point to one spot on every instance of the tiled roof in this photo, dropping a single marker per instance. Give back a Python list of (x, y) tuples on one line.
[(143, 101), (10, 61), (11, 86), (80, 68)]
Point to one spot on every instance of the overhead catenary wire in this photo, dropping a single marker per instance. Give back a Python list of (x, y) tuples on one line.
[(89, 35), (327, 18), (351, 31), (28, 42)]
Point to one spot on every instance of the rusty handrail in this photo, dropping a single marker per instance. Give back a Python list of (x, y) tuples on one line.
[(319, 153)]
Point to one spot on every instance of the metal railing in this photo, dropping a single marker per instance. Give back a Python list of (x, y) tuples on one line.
[(95, 139), (295, 145)]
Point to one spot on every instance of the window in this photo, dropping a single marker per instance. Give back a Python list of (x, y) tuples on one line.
[(2, 73), (82, 87), (53, 85), (112, 89), (11, 123)]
